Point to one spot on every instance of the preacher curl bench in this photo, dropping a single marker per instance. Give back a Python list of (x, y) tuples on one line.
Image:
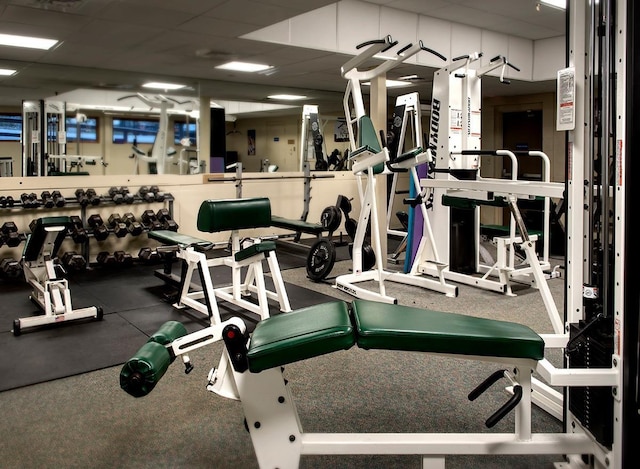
[(50, 290), (218, 216), (251, 370)]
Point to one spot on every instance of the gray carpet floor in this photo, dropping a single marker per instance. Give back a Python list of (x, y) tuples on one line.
[(87, 421)]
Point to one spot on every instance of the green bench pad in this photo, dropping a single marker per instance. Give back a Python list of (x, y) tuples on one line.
[(234, 214), (409, 154), (173, 238), (397, 327), (300, 334), (325, 328), (297, 225), (257, 248)]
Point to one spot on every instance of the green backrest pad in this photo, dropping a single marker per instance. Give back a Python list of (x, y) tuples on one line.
[(36, 239), (325, 328), (367, 137), (234, 214)]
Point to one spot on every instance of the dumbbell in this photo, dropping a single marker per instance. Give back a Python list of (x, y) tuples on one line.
[(149, 255), (77, 231), (58, 199), (94, 198), (81, 197), (150, 219), (116, 195), (133, 225), (146, 194), (123, 258), (127, 195), (29, 200), (100, 230), (10, 268), (105, 258), (71, 260), (10, 234), (118, 225), (158, 196), (47, 199), (164, 216), (7, 201)]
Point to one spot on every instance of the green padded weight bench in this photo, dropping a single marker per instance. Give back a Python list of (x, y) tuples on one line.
[(252, 370), (227, 215), (50, 289)]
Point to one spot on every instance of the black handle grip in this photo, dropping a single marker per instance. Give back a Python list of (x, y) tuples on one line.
[(431, 51), (372, 42), (486, 384), (505, 409), (404, 48)]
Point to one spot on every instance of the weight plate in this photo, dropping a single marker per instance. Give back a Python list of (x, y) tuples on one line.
[(320, 260), (331, 218), (351, 226)]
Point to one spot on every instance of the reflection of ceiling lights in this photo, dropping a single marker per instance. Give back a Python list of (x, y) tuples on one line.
[(561, 4), (7, 72), (27, 42), (243, 67), (287, 97), (163, 86)]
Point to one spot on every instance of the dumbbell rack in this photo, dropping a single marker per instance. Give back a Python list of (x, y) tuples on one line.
[(71, 203)]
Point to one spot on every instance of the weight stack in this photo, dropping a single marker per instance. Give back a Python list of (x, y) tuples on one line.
[(593, 405)]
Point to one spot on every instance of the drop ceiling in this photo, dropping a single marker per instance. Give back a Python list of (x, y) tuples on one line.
[(118, 45)]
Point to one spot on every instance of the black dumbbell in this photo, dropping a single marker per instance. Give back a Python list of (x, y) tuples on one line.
[(127, 195), (149, 255), (146, 194), (164, 216), (73, 261), (150, 219), (58, 199), (116, 195), (10, 268), (94, 198), (118, 225), (100, 230), (123, 258), (47, 199), (105, 258), (77, 231), (10, 234), (29, 200), (133, 225), (10, 201), (81, 197)]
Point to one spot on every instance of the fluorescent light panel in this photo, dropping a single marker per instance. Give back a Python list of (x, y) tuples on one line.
[(163, 86), (392, 83), (286, 97), (562, 4), (243, 67), (7, 72), (27, 41)]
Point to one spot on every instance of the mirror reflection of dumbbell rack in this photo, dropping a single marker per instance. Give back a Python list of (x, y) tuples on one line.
[(86, 225)]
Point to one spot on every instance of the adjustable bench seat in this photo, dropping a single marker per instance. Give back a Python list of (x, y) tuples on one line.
[(172, 238), (35, 241), (329, 327), (297, 225)]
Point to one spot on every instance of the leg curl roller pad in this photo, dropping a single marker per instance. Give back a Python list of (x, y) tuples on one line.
[(168, 332), (141, 373)]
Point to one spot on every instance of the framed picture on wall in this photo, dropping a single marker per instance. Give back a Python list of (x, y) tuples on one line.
[(341, 132), (251, 142)]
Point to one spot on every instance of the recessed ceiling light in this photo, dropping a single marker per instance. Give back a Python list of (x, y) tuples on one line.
[(7, 72), (392, 83), (27, 41), (286, 97), (163, 86), (243, 67)]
